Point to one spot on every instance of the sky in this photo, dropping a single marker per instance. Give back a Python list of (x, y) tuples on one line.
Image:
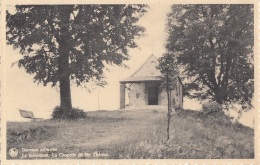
[(20, 92)]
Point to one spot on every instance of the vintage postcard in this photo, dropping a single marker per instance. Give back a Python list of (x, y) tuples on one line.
[(130, 82)]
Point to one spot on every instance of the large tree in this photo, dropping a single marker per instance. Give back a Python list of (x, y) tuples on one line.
[(60, 43), (214, 46)]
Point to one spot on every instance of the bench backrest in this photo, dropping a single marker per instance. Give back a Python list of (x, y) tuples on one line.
[(26, 114)]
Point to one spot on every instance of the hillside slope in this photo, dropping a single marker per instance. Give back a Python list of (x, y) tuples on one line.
[(132, 134)]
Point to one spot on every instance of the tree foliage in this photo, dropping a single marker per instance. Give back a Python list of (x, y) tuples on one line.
[(213, 45), (169, 72), (60, 43), (91, 34)]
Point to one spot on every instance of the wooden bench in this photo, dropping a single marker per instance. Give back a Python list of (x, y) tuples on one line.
[(29, 115)]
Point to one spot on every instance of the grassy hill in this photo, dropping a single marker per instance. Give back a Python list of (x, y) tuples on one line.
[(134, 134)]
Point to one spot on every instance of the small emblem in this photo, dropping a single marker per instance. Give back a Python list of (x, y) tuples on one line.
[(13, 152)]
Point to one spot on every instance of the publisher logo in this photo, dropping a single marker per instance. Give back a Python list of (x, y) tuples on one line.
[(13, 152)]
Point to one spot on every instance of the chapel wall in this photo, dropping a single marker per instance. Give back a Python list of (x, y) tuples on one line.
[(137, 95)]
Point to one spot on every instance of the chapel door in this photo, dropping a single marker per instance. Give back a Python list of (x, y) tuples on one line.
[(153, 95)]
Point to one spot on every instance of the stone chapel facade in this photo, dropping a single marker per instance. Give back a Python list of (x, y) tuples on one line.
[(142, 89)]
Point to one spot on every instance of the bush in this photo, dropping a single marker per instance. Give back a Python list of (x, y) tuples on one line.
[(73, 114), (211, 108)]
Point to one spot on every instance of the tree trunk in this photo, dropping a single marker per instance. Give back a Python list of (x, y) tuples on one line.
[(65, 95), (168, 117), (169, 106), (64, 79), (219, 96), (63, 62), (169, 113)]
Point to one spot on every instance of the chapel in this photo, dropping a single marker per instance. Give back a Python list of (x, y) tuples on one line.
[(142, 89)]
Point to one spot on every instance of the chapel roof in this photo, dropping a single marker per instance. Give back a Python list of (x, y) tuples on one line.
[(146, 72), (141, 79)]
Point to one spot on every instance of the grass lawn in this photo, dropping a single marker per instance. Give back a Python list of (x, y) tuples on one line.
[(134, 135)]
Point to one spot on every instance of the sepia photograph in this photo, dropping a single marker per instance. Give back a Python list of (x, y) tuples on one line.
[(129, 81)]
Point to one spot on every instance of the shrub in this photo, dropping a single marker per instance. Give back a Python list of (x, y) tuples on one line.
[(211, 108), (73, 114)]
